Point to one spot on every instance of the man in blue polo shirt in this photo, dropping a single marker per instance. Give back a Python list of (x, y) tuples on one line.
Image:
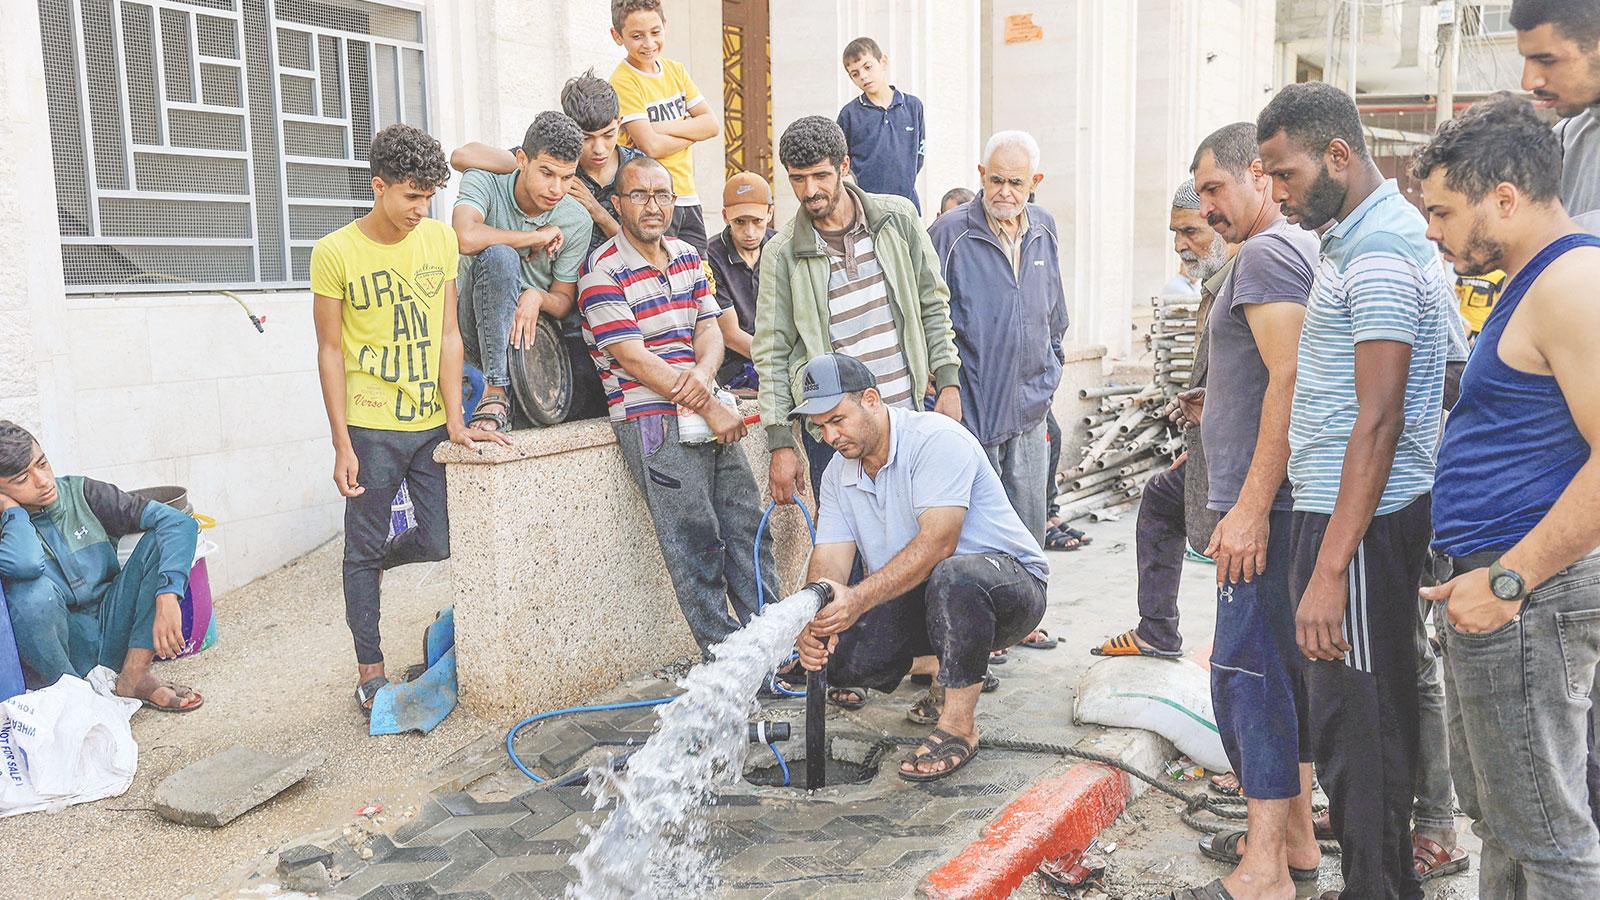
[(1362, 433), (883, 127), (951, 571)]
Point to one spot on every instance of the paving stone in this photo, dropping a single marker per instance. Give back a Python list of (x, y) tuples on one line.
[(467, 855), (406, 890), (303, 855), (215, 791), (430, 814), (366, 880)]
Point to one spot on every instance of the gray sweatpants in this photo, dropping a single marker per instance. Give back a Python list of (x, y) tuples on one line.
[(705, 506)]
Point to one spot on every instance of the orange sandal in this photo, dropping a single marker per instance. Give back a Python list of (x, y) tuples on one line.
[(1124, 644)]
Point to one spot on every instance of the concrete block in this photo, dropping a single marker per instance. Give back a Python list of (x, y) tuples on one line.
[(109, 345), (215, 791), (558, 613), (262, 480), (19, 364)]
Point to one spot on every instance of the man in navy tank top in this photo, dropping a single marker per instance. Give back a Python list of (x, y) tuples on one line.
[(1517, 504)]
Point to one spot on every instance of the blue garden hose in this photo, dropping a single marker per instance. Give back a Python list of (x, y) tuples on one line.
[(511, 736)]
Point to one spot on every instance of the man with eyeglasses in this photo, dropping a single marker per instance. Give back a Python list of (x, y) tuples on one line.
[(650, 321)]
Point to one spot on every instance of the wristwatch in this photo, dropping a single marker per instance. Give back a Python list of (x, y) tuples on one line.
[(1506, 584)]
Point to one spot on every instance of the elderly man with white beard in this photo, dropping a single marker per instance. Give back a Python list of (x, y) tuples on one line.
[(998, 253)]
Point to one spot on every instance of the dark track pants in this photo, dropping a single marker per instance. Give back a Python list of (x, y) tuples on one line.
[(1363, 709)]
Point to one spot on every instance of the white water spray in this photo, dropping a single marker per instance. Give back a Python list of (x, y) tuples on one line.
[(654, 842)]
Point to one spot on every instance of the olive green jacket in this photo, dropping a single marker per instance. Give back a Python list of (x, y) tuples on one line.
[(792, 305)]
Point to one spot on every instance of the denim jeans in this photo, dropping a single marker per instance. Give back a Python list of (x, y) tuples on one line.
[(1021, 462), (1435, 808), (487, 304), (705, 506), (56, 638), (1519, 733)]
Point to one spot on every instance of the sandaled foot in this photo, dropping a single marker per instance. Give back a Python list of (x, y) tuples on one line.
[(367, 691), (1228, 847), (999, 657), (1128, 644), (1060, 539), (493, 412), (847, 697), (153, 693), (940, 755), (1038, 639), (1432, 860), (1226, 784), (926, 711), (1322, 826)]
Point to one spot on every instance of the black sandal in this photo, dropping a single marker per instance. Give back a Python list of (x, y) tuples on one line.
[(836, 696), (1061, 539), (1224, 848), (1213, 891), (368, 691), (492, 408), (941, 746)]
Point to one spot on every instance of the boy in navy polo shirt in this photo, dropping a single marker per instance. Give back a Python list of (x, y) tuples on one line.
[(883, 127)]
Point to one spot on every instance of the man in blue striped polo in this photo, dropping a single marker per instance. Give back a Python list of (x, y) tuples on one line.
[(1362, 434)]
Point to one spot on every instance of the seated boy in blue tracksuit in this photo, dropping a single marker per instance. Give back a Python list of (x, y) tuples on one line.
[(72, 606)]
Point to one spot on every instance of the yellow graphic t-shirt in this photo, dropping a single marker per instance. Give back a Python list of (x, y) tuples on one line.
[(1477, 295), (664, 96), (393, 320)]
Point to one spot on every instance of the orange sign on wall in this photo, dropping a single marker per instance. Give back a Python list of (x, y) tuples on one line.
[(1020, 29)]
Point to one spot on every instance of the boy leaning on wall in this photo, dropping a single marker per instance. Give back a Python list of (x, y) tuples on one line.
[(663, 112), (390, 358)]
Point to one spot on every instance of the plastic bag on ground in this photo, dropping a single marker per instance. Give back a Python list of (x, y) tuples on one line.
[(65, 744), (1171, 697)]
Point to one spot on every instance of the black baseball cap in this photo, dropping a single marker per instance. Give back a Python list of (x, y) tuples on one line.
[(827, 379)]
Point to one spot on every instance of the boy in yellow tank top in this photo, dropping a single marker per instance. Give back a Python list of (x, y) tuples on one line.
[(663, 112), (390, 360)]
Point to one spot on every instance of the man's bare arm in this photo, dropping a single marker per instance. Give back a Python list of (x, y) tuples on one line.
[(474, 235), (733, 337), (478, 155), (831, 561)]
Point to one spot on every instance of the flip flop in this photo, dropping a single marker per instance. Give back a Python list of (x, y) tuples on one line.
[(1225, 791), (1125, 645), (1060, 539), (925, 711), (1045, 643), (368, 691), (942, 746), (1224, 848), (182, 691), (998, 658), (1432, 861), (1212, 891)]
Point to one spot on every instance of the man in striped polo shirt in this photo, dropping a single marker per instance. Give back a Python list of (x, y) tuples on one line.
[(651, 324), (1362, 434), (852, 273)]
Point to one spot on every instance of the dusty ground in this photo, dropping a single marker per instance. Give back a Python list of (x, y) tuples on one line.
[(280, 678)]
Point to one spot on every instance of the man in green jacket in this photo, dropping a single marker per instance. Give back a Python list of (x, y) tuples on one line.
[(72, 605), (852, 273)]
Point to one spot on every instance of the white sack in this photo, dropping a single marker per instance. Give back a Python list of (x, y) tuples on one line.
[(65, 744)]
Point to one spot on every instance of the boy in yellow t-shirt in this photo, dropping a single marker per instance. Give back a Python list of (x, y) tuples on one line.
[(389, 356), (663, 112)]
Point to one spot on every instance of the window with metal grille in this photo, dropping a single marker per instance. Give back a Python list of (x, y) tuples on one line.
[(209, 143)]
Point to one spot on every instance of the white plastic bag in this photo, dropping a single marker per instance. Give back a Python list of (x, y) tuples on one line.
[(1171, 697), (65, 744)]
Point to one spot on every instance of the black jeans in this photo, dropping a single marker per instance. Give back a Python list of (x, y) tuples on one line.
[(387, 458), (970, 605)]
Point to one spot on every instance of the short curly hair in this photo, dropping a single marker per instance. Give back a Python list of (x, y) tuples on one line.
[(622, 9), (404, 153), (810, 140), (1312, 114), (1501, 140), (16, 448), (1577, 20), (553, 133)]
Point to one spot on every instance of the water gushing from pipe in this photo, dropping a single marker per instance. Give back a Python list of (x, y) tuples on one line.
[(654, 843)]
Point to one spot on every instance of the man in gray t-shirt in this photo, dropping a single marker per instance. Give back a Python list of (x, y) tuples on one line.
[(1560, 47), (951, 570)]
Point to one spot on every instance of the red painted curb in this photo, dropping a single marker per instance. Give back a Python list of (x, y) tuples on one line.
[(1049, 820)]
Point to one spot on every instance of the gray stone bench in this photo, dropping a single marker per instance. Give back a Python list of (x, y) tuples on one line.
[(560, 589)]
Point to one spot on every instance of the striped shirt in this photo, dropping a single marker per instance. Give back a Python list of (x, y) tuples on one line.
[(624, 297), (860, 319), (1378, 279)]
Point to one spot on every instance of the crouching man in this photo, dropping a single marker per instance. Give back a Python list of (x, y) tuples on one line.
[(73, 607), (951, 571)]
